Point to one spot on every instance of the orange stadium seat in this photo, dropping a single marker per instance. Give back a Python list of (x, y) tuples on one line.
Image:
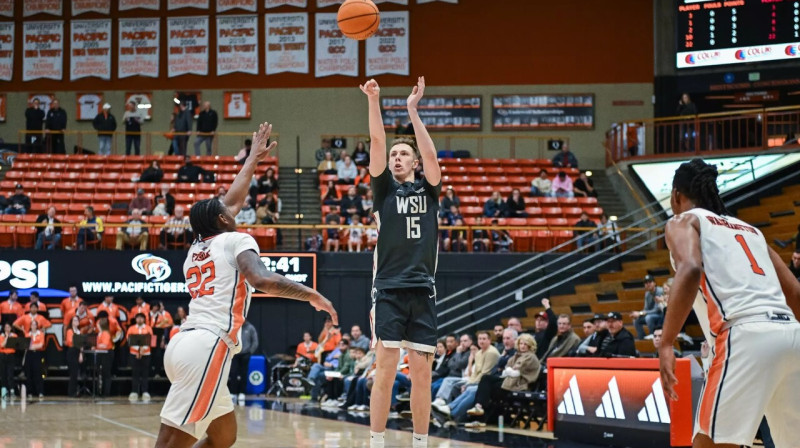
[(538, 222), (567, 202), (572, 212), (557, 222), (552, 212), (586, 201), (533, 211), (594, 212), (548, 202), (542, 240)]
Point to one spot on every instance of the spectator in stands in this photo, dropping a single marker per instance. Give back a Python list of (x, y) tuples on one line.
[(794, 264), (586, 237), (19, 203), (133, 128), (361, 155), (355, 233), (332, 219), (140, 202), (651, 315), (501, 240), (480, 237), (453, 215), (176, 230), (134, 232), (619, 341), (541, 186), (54, 126), (34, 360), (207, 122), (444, 234), (329, 337), (607, 232), (458, 237), (546, 328), (74, 356), (244, 153), (565, 158), (189, 172), (358, 339), (339, 157), (152, 173), (182, 126), (331, 195), (89, 229), (562, 186), (483, 361), (565, 341), (319, 155), (455, 360), (49, 231), (247, 215), (167, 199), (23, 323), (367, 203), (494, 207), (140, 360), (515, 205), (269, 210), (268, 182), (35, 300), (363, 179), (317, 373), (240, 365), (347, 171), (34, 120), (351, 204), (686, 108), (450, 199), (498, 337), (307, 348), (327, 165), (584, 187), (105, 124), (589, 331)]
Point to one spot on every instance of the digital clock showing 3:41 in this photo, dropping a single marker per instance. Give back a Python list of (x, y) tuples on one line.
[(298, 267)]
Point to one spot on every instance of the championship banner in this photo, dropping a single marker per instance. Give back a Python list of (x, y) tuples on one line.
[(138, 47), (278, 3), (387, 49), (287, 43), (125, 5), (82, 6), (420, 2), (91, 49), (336, 54), (187, 39), (178, 4), (326, 3), (399, 2), (237, 44), (42, 47), (33, 7), (6, 51), (7, 8), (247, 5)]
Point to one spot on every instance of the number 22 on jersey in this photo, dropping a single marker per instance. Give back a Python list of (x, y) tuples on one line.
[(198, 279)]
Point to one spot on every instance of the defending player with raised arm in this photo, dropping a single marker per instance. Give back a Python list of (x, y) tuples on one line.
[(403, 292), (220, 268)]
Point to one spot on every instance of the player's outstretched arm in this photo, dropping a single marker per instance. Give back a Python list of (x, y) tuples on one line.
[(257, 275), (789, 283), (377, 135), (241, 184), (427, 150)]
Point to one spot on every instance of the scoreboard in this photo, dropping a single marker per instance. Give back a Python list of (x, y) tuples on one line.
[(719, 32)]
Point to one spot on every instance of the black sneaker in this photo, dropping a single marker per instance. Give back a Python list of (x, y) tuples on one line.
[(405, 396)]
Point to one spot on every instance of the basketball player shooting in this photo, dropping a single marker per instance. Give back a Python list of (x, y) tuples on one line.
[(752, 300), (220, 268), (403, 293)]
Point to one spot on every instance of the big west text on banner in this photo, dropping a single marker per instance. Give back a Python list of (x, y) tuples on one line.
[(187, 42), (7, 8), (125, 5), (82, 6), (31, 7), (237, 44), (178, 4), (336, 54), (43, 47), (287, 43), (276, 3), (387, 49), (247, 5), (91, 49), (138, 47), (6, 51)]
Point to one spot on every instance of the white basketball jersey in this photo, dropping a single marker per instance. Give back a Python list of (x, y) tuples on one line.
[(89, 106), (739, 278), (220, 293)]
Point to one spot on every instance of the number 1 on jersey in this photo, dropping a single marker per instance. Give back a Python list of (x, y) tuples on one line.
[(753, 263), (412, 227)]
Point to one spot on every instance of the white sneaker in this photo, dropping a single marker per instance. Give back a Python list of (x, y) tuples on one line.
[(394, 415), (145, 397), (363, 408), (353, 407), (241, 398), (444, 409), (438, 402), (133, 397)]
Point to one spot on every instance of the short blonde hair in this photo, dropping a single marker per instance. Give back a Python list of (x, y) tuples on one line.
[(528, 340), (406, 141)]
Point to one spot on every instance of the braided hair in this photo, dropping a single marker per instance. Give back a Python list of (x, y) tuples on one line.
[(697, 180), (203, 217)]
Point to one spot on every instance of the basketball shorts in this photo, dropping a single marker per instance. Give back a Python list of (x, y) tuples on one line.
[(755, 373), (404, 318), (197, 364)]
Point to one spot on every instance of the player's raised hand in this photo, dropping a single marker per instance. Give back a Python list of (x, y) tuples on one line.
[(416, 93), (320, 303), (666, 359), (371, 88), (260, 149)]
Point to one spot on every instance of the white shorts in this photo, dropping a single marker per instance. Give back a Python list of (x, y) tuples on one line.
[(755, 372), (197, 364)]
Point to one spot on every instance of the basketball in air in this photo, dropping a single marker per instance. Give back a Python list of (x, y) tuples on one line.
[(358, 19)]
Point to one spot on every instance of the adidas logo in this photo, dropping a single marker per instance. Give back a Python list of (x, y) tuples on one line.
[(655, 406), (571, 404), (611, 407)]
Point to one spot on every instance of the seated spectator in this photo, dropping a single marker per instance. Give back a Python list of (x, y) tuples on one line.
[(515, 324), (351, 204), (331, 363), (501, 240), (651, 315), (167, 199), (152, 173), (134, 232), (354, 234), (363, 179), (339, 157), (367, 203), (619, 340), (358, 339), (331, 195), (565, 158), (244, 153), (449, 200), (565, 340), (356, 391), (49, 233), (319, 154), (269, 210), (589, 330), (455, 360), (458, 237), (584, 187), (372, 234), (347, 171), (562, 186), (482, 361), (306, 349), (141, 203), (515, 206), (332, 219), (608, 232), (268, 182), (327, 165), (176, 230), (19, 203), (247, 215), (597, 337), (480, 237), (586, 237), (453, 215), (89, 229), (444, 234), (794, 264), (541, 186), (494, 207), (189, 172), (329, 337), (361, 155)]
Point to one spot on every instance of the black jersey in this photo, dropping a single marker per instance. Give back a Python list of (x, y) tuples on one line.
[(408, 232)]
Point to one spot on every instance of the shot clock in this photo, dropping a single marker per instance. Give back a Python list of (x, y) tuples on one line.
[(299, 267)]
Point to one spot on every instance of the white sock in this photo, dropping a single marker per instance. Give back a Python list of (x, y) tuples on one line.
[(376, 439), (419, 441)]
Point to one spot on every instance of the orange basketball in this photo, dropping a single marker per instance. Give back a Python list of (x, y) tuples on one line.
[(358, 19)]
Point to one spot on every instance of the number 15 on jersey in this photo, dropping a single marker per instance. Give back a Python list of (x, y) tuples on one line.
[(412, 228)]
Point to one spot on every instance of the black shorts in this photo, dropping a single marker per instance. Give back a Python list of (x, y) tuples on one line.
[(404, 318)]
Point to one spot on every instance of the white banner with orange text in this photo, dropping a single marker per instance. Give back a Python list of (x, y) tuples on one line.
[(247, 5), (42, 50), (278, 3), (336, 54), (138, 47), (6, 51), (287, 43), (178, 4), (237, 44), (387, 49), (82, 6), (33, 7), (7, 8), (187, 42), (125, 5), (91, 49)]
